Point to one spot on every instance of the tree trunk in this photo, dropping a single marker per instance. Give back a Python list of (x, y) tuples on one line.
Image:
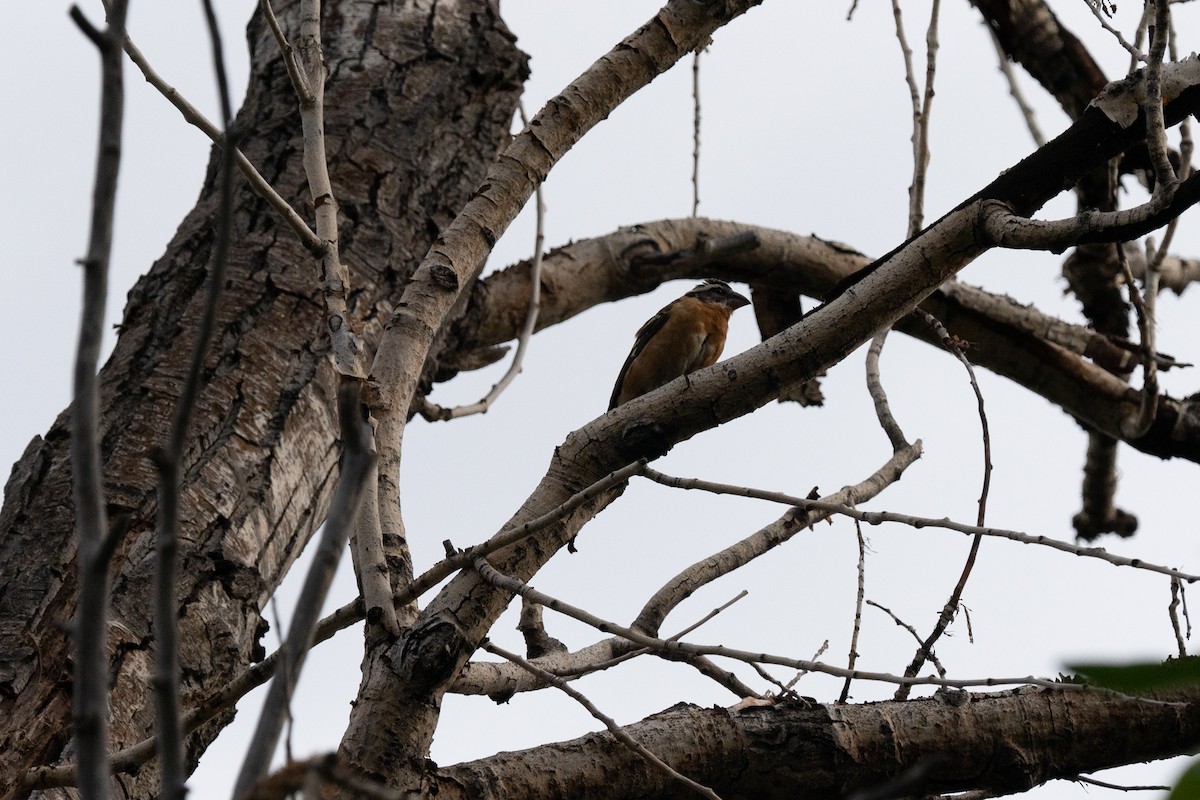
[(419, 100)]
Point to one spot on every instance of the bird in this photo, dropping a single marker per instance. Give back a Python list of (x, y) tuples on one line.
[(686, 335)]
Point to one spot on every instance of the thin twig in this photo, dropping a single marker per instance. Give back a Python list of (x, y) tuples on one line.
[(1098, 10), (1119, 787), (762, 541), (257, 182), (1165, 179), (91, 522), (300, 84), (852, 659), (356, 462), (1172, 611), (677, 649), (920, 110), (1187, 618), (723, 678), (771, 679), (167, 459), (950, 609), (708, 616), (287, 737), (913, 632), (1144, 304), (382, 521), (914, 208), (308, 69), (1014, 88), (433, 412), (334, 277), (1185, 157), (613, 728), (921, 165), (879, 517), (796, 678)]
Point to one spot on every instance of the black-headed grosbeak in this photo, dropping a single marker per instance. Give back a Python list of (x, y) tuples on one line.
[(687, 335)]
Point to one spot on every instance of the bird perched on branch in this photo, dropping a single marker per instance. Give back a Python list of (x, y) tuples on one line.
[(687, 335)]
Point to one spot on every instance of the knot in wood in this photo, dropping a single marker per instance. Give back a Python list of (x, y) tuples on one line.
[(429, 655), (444, 277)]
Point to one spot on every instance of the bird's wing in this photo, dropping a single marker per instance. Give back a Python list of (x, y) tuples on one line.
[(644, 334)]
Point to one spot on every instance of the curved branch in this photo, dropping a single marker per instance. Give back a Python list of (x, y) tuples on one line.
[(682, 586), (1066, 364), (453, 263), (497, 679)]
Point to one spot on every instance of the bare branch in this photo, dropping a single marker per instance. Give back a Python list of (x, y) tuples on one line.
[(883, 410), (299, 80), (920, 154), (858, 606), (1177, 591), (950, 609), (710, 615), (1114, 353), (675, 649), (1138, 424), (932, 656), (1099, 9), (1099, 513), (877, 517), (737, 555), (91, 522), (1165, 180), (257, 182), (1014, 89), (1009, 230), (1120, 788), (167, 460), (451, 266), (132, 757), (433, 412), (480, 677), (307, 68)]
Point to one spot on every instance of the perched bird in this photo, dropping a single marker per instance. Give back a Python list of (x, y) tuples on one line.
[(687, 335)]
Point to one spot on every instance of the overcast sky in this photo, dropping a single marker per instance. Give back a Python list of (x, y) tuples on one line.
[(805, 128)]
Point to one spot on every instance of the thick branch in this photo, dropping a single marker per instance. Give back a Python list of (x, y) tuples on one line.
[(452, 264), (1002, 743), (1066, 364)]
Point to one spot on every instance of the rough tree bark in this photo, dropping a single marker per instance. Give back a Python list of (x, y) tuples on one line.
[(952, 742), (420, 98)]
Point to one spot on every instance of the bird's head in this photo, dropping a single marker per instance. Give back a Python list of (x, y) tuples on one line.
[(718, 293)]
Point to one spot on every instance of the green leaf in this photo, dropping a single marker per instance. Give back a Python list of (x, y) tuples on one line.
[(1188, 786), (1142, 678)]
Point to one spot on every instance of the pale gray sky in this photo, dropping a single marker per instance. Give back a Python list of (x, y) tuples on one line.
[(806, 128)]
